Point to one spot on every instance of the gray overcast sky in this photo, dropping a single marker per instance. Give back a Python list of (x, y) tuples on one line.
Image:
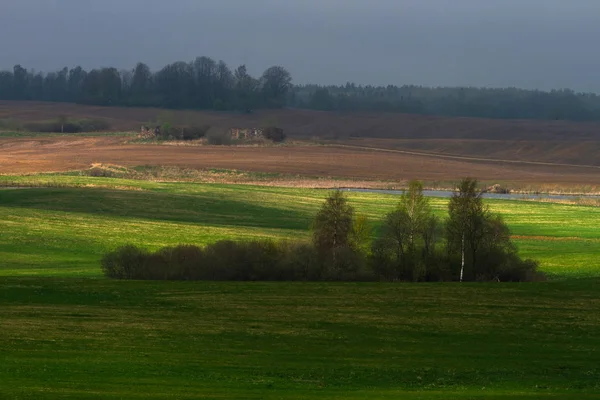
[(525, 43)]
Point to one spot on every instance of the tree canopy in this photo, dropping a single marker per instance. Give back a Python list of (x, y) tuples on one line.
[(204, 83)]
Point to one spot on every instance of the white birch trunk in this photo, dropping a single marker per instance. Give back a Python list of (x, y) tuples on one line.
[(462, 263)]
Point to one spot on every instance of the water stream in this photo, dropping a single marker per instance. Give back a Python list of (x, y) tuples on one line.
[(502, 196)]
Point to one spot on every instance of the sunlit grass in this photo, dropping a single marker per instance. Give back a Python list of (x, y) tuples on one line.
[(68, 228)]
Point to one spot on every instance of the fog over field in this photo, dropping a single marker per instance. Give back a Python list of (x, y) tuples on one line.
[(540, 44)]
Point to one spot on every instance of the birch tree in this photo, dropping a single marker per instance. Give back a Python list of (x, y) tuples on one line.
[(466, 226), (333, 225)]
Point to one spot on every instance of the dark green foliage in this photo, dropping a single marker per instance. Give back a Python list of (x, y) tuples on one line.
[(219, 138), (128, 262), (226, 260), (321, 99), (467, 226), (192, 132), (207, 84), (332, 225), (501, 103), (274, 134), (276, 82), (168, 131), (408, 248), (409, 234), (482, 240), (10, 125), (65, 125)]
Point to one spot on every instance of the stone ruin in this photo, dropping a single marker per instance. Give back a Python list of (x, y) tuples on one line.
[(246, 133), (149, 133)]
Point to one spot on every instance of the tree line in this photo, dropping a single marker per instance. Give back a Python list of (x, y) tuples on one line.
[(502, 103), (200, 84), (208, 84), (412, 244)]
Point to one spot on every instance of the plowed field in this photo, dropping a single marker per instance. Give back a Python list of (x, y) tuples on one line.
[(46, 154)]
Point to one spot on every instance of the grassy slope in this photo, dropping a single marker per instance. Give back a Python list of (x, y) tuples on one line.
[(64, 231), (68, 337)]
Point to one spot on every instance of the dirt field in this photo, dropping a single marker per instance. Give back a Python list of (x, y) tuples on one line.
[(524, 140), (27, 155)]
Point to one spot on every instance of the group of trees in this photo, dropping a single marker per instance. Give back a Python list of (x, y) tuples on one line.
[(200, 84), (207, 84), (508, 103), (412, 244)]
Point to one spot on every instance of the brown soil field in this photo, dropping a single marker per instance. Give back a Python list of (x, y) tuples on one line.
[(63, 153), (577, 152), (308, 123), (523, 140)]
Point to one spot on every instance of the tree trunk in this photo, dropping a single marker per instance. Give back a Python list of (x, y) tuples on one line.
[(462, 253)]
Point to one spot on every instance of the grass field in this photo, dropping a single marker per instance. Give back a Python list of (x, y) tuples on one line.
[(69, 333), (99, 339), (64, 231)]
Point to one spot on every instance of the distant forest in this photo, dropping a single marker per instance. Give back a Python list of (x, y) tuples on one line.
[(210, 85)]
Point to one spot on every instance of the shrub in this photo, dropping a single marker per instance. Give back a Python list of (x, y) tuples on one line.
[(274, 134), (226, 260), (219, 138), (68, 126), (220, 105), (175, 263), (266, 260), (194, 132), (93, 125), (99, 172), (168, 131), (127, 262), (300, 262), (10, 124), (518, 270), (347, 264)]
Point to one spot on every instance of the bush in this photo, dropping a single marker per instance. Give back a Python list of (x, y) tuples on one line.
[(518, 270), (226, 260), (10, 124), (93, 125), (99, 172), (194, 132), (68, 126), (182, 132), (274, 134), (266, 260), (300, 262), (405, 250), (219, 138), (127, 262)]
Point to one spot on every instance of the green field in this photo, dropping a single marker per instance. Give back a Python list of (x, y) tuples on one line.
[(69, 333), (64, 230)]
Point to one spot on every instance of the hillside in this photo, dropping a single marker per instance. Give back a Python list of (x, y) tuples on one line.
[(524, 140)]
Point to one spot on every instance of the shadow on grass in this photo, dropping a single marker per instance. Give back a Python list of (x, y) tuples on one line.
[(209, 209)]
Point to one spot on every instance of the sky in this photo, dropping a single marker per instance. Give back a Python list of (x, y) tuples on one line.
[(534, 44)]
